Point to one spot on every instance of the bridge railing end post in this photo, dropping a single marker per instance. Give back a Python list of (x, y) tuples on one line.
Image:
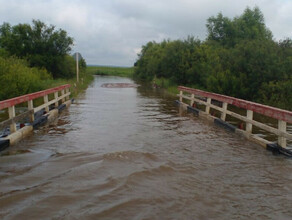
[(180, 96), (46, 100), (56, 95), (63, 93), (30, 108), (11, 112), (249, 115), (282, 126), (208, 105), (68, 94), (223, 114), (192, 99)]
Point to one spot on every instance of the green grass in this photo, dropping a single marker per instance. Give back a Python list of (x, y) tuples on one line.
[(173, 90), (84, 80), (111, 71), (166, 84)]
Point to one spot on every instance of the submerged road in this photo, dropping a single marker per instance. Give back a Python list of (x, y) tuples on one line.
[(130, 153)]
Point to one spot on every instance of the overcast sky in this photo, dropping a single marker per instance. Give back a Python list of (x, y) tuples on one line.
[(111, 32)]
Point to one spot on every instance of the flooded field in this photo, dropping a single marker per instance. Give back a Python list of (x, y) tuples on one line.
[(131, 153)]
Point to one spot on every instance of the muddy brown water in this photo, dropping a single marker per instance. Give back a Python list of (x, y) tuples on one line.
[(130, 153)]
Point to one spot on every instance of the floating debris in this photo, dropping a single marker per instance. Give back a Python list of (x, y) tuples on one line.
[(119, 85), (15, 152)]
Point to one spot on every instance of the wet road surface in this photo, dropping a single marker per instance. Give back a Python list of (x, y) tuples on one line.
[(130, 153)]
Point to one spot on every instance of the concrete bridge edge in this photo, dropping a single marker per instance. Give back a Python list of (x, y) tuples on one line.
[(271, 146), (28, 129)]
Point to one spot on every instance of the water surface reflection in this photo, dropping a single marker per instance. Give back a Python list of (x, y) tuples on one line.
[(130, 153)]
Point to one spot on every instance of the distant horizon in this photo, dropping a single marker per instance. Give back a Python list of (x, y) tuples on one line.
[(115, 32), (105, 65)]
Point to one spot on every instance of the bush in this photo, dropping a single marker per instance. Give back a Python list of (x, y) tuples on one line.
[(41, 45), (278, 94), (239, 58), (18, 79)]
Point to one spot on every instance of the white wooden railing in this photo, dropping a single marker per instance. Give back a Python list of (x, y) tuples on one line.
[(61, 93), (206, 98)]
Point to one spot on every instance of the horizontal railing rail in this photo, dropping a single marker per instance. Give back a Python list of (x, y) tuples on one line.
[(206, 98), (20, 99), (269, 111), (61, 93)]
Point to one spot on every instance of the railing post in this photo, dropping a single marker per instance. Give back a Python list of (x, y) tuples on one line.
[(249, 116), (192, 99), (180, 96), (46, 100), (282, 126), (63, 93), (56, 95), (223, 114), (30, 107), (67, 92), (208, 105), (11, 112)]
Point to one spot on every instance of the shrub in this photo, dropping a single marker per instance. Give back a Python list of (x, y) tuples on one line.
[(16, 78)]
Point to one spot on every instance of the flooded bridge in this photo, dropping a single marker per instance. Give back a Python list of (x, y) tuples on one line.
[(130, 153)]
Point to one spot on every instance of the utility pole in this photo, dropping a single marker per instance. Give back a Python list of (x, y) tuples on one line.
[(77, 67)]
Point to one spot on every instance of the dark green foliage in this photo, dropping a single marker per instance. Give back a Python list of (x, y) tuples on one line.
[(249, 26), (277, 93), (41, 45), (239, 58), (31, 54), (20, 78), (110, 71), (82, 65)]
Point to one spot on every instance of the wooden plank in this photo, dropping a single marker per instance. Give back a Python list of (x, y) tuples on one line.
[(50, 102), (208, 105), (25, 98), (11, 112), (282, 126), (185, 97), (261, 125), (67, 91), (249, 116), (29, 113), (46, 100), (245, 119), (283, 116), (62, 94), (7, 123), (56, 98), (30, 108), (224, 109), (181, 96), (192, 99), (269, 111)]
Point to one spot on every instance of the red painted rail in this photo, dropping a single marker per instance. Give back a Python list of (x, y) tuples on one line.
[(272, 112), (17, 100)]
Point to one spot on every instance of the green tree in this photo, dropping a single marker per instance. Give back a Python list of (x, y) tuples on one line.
[(147, 63), (278, 94), (249, 26), (43, 46), (239, 58), (82, 64), (221, 29), (17, 78)]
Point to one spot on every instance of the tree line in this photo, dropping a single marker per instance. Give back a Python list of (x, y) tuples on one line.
[(32, 56), (238, 58)]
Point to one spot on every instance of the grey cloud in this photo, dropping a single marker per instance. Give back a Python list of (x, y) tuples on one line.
[(111, 32)]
